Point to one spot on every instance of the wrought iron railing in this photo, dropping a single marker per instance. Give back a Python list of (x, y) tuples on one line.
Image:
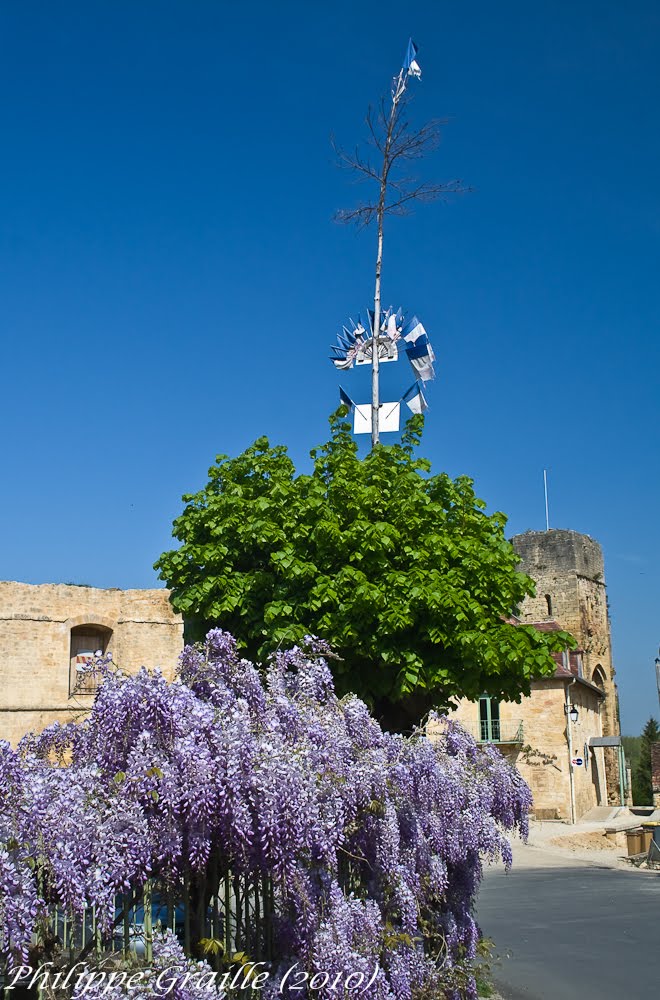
[(236, 917), (496, 731)]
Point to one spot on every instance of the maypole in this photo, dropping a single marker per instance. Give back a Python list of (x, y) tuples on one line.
[(385, 332), (409, 68)]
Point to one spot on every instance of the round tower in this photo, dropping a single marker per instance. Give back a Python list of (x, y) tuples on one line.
[(569, 574)]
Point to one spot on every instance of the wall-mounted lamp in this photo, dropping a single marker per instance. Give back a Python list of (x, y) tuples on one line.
[(572, 713)]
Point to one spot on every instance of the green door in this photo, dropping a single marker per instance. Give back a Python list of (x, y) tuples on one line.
[(489, 719)]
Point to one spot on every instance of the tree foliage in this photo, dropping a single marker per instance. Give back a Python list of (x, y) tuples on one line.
[(402, 572), (632, 747), (642, 781)]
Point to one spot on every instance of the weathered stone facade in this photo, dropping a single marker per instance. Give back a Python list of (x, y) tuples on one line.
[(567, 568), (569, 573), (533, 736), (44, 631)]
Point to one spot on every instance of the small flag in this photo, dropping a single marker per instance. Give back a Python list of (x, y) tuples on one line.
[(409, 63), (420, 349), (392, 331), (414, 398), (423, 369), (421, 357), (412, 330), (346, 399), (339, 358)]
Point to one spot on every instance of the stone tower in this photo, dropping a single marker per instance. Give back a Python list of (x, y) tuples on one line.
[(568, 570)]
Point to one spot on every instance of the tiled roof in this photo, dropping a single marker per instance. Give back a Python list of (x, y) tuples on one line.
[(570, 669)]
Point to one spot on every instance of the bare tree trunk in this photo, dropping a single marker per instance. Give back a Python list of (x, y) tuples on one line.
[(380, 217), (375, 352)]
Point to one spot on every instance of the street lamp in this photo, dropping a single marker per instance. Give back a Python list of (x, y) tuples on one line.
[(573, 713)]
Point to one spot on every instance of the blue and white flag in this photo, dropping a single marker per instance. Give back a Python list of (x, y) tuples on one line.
[(412, 330), (414, 398), (360, 331), (410, 65), (346, 399), (342, 363), (421, 357)]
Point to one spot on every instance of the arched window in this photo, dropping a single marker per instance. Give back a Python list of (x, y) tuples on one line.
[(548, 601), (87, 641), (598, 677)]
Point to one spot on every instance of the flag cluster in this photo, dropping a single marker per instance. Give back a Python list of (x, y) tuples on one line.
[(355, 344)]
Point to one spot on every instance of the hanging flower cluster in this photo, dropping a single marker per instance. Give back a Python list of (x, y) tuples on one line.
[(373, 843)]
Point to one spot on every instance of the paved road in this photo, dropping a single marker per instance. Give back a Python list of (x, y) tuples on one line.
[(573, 933)]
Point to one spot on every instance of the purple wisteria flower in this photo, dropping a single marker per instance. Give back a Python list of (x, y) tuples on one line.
[(372, 844)]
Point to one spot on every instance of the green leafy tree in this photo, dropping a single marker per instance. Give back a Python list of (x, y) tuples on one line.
[(642, 782), (632, 747), (402, 572)]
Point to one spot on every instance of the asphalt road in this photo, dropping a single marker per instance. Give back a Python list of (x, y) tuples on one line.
[(573, 933)]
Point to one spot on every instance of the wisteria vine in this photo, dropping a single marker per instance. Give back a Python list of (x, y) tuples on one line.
[(373, 843)]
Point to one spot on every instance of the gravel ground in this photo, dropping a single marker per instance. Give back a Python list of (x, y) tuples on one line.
[(593, 841), (558, 845)]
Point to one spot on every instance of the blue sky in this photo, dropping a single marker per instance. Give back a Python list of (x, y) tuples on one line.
[(171, 276)]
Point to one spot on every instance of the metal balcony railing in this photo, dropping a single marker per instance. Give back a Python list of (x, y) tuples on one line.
[(498, 732)]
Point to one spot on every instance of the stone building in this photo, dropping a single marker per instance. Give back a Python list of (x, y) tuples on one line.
[(565, 736), (569, 573), (49, 632)]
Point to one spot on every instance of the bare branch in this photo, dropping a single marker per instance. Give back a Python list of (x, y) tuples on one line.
[(354, 161), (409, 145), (361, 216), (396, 142), (364, 214), (377, 126), (425, 192)]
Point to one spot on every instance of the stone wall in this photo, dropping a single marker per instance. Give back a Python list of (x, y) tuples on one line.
[(569, 573), (36, 624)]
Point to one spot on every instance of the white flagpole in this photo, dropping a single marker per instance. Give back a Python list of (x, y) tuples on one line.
[(545, 490), (397, 93)]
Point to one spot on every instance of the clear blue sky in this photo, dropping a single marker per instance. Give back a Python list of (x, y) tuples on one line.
[(170, 275)]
